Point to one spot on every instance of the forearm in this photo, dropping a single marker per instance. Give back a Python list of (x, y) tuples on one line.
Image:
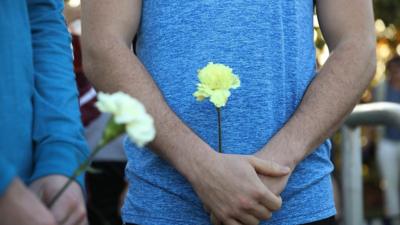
[(118, 69), (329, 98)]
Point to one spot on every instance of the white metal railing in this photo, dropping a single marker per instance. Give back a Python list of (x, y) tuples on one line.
[(378, 113)]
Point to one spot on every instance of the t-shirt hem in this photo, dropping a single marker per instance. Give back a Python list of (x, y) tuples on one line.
[(300, 219), (305, 218), (147, 220)]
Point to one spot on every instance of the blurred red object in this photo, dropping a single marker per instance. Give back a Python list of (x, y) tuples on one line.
[(87, 94)]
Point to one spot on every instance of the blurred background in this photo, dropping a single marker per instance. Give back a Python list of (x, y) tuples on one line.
[(387, 26)]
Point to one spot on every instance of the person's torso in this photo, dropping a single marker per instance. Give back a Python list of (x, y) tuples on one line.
[(16, 86), (270, 46)]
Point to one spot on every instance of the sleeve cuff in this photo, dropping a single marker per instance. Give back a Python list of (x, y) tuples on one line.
[(58, 159), (7, 175)]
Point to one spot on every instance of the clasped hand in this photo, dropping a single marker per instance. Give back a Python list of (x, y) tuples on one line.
[(21, 205), (235, 188)]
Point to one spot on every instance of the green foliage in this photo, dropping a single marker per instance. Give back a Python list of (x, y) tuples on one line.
[(388, 11)]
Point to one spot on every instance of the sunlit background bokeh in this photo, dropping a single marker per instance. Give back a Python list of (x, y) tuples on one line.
[(387, 22)]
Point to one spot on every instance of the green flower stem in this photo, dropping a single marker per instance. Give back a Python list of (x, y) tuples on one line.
[(219, 131), (82, 168), (60, 192), (111, 132)]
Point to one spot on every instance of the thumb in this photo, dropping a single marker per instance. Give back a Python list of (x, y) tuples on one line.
[(268, 167)]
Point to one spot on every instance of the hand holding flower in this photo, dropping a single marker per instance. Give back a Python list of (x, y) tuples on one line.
[(128, 115)]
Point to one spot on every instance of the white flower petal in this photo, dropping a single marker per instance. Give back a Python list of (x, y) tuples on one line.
[(141, 131), (129, 111)]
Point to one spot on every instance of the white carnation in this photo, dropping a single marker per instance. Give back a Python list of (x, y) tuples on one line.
[(141, 131), (128, 111)]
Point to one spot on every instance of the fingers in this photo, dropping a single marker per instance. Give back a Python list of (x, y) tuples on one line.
[(260, 212), (270, 200), (236, 194), (70, 208), (251, 217), (77, 217), (62, 212), (252, 213), (232, 222), (267, 167), (248, 219), (20, 206)]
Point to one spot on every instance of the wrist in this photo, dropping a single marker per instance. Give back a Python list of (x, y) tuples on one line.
[(195, 167), (283, 150), (281, 157)]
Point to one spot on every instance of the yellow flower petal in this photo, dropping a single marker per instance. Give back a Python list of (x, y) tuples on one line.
[(220, 97), (215, 82)]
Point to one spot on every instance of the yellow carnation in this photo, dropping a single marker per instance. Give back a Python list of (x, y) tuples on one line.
[(216, 80)]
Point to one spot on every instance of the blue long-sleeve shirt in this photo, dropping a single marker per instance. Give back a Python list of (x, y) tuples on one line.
[(40, 130)]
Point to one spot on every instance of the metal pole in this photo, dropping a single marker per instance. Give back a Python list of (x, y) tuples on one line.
[(352, 176), (379, 113)]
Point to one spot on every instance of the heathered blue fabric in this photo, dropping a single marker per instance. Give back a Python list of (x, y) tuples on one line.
[(270, 46), (41, 133)]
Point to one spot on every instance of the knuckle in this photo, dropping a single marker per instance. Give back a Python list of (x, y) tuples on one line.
[(245, 203), (233, 213)]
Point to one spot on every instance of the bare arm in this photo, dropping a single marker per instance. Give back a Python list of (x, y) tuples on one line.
[(349, 31), (108, 30)]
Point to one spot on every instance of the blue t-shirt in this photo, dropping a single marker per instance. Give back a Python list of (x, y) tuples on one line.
[(270, 46)]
